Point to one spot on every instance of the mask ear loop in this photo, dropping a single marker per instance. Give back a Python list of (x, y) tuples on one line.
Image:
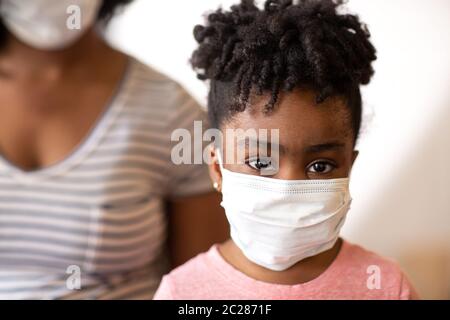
[(219, 159)]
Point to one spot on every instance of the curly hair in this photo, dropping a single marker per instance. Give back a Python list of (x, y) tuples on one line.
[(285, 45), (107, 11)]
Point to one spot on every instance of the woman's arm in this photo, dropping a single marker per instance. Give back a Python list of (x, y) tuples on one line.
[(195, 223)]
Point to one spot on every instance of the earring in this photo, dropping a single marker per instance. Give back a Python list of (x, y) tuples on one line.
[(216, 186)]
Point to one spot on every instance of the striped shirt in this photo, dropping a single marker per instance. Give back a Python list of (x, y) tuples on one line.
[(98, 216)]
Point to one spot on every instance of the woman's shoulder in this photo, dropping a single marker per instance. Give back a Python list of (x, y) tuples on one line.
[(148, 76), (147, 89)]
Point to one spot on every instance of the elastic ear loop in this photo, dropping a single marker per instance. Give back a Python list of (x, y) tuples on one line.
[(219, 159)]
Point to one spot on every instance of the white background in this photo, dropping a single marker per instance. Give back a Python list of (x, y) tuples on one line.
[(401, 181)]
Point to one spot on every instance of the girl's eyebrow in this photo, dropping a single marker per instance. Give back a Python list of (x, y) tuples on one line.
[(324, 147), (317, 148), (247, 142)]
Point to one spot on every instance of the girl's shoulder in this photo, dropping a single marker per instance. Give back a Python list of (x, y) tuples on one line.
[(377, 271), (191, 280)]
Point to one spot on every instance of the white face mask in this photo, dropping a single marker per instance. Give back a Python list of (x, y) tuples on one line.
[(276, 223), (49, 24)]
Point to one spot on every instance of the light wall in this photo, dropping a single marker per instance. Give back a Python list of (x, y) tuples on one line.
[(401, 180)]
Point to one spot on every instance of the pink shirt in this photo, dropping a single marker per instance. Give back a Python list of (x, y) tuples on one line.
[(352, 275)]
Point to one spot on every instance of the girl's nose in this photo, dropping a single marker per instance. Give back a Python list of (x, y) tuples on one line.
[(290, 171)]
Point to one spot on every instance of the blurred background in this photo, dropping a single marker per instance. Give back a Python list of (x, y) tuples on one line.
[(401, 180)]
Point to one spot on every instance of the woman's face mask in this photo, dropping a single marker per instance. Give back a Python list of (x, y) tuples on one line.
[(277, 223), (49, 24)]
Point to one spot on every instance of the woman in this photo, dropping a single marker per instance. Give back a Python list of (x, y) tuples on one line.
[(87, 185)]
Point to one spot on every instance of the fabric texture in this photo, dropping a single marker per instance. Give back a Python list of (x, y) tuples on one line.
[(209, 276), (102, 208)]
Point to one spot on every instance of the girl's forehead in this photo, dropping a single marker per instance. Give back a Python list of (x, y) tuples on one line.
[(298, 119)]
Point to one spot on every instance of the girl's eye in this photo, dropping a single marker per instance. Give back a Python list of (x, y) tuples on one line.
[(321, 167), (259, 163)]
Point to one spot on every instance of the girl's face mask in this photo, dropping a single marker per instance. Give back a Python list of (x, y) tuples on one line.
[(276, 223), (49, 24)]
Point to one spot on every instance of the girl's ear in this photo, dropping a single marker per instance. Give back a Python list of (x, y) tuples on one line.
[(214, 169)]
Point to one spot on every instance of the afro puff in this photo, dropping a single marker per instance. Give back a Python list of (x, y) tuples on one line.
[(284, 45)]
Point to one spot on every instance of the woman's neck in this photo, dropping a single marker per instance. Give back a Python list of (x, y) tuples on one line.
[(24, 59)]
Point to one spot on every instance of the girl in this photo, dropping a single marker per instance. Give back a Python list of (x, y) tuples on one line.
[(296, 68)]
